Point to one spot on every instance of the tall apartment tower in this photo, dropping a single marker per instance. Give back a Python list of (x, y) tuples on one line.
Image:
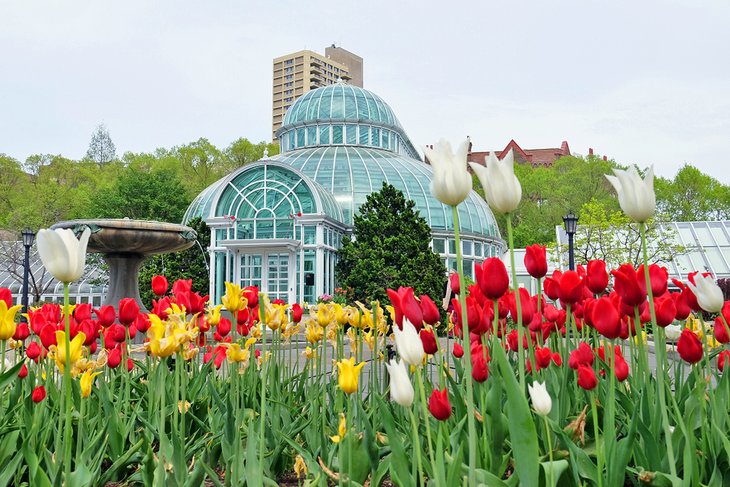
[(302, 71)]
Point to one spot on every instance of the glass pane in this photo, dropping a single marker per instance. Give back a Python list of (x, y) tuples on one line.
[(452, 246), (351, 134), (324, 135), (311, 135), (364, 135), (337, 134), (718, 233), (310, 235), (300, 137), (467, 246), (703, 235), (438, 245)]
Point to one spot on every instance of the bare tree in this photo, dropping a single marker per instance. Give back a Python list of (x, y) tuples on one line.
[(12, 254)]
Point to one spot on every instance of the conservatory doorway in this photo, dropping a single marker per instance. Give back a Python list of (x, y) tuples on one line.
[(270, 270)]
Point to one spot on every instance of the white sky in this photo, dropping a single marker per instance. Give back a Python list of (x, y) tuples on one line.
[(645, 82)]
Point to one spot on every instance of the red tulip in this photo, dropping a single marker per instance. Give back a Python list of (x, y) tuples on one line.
[(512, 341), (6, 295), (90, 329), (473, 314), (479, 367), (142, 323), (296, 313), (583, 355), (410, 307), (605, 318), (551, 286), (159, 285), (106, 315), (48, 336), (557, 359), (494, 281), (721, 331), (429, 309), (182, 286), (159, 308), (681, 305), (596, 276), (454, 281), (197, 303), (82, 312), (626, 285), (224, 327), (621, 368), (130, 365), (536, 261), (543, 356), (23, 372), (458, 350), (251, 293), (665, 310), (689, 347), (687, 294), (22, 331), (658, 277), (114, 358), (33, 351), (722, 359), (526, 307), (429, 341), (570, 288), (38, 394), (115, 333), (587, 377), (439, 405)]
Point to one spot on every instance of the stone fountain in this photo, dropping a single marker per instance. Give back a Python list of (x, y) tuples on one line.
[(125, 244)]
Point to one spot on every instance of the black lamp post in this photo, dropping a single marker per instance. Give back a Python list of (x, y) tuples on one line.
[(28, 239), (571, 222)]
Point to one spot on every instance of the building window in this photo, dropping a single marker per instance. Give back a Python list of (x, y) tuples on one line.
[(289, 76), (337, 134), (289, 61), (291, 83)]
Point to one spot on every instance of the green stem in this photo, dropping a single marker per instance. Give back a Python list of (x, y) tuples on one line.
[(68, 398), (549, 435), (516, 289), (427, 420), (417, 448), (467, 352), (660, 346), (599, 450), (264, 369)]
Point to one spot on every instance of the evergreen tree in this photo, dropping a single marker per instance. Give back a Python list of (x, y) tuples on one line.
[(390, 248), (101, 148)]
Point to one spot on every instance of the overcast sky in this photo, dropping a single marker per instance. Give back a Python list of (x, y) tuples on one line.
[(643, 82)]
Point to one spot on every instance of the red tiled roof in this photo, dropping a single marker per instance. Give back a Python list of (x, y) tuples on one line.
[(535, 157)]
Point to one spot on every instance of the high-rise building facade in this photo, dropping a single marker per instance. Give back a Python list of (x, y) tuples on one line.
[(351, 60), (300, 72)]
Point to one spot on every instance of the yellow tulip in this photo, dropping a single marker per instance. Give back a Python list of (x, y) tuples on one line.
[(233, 299), (236, 354), (76, 349), (325, 314), (7, 320), (341, 429), (214, 315), (300, 468), (314, 333), (349, 374), (87, 380), (309, 353)]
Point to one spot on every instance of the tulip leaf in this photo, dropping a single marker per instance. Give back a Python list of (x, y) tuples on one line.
[(556, 468), (523, 435), (9, 468), (10, 375)]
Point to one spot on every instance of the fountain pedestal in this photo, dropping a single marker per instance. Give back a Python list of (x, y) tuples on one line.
[(125, 244)]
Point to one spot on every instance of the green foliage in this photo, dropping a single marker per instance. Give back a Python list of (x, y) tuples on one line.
[(156, 195), (188, 264), (390, 249), (692, 196)]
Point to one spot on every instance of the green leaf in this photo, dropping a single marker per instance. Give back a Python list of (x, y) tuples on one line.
[(523, 435), (557, 467)]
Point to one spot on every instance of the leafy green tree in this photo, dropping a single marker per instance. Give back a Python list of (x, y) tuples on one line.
[(390, 248), (692, 196), (188, 264), (158, 195), (242, 151)]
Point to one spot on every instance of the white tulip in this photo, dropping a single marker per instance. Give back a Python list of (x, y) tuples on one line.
[(451, 181), (502, 189), (541, 402), (401, 389), (673, 332), (408, 343), (62, 254), (708, 293), (636, 196)]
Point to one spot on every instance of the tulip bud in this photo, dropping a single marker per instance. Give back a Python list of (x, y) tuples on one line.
[(408, 343), (596, 276), (451, 181), (673, 332), (689, 347), (439, 405), (114, 358), (38, 394), (587, 377), (708, 293), (502, 189), (23, 372), (494, 281), (636, 196), (541, 401), (536, 261), (401, 389), (62, 254), (6, 295), (159, 285)]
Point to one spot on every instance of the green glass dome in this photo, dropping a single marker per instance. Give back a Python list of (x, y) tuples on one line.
[(341, 102)]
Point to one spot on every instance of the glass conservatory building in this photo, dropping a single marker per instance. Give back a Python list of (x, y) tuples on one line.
[(278, 223)]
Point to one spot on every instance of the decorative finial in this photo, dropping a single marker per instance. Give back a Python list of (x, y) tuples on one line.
[(266, 152)]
